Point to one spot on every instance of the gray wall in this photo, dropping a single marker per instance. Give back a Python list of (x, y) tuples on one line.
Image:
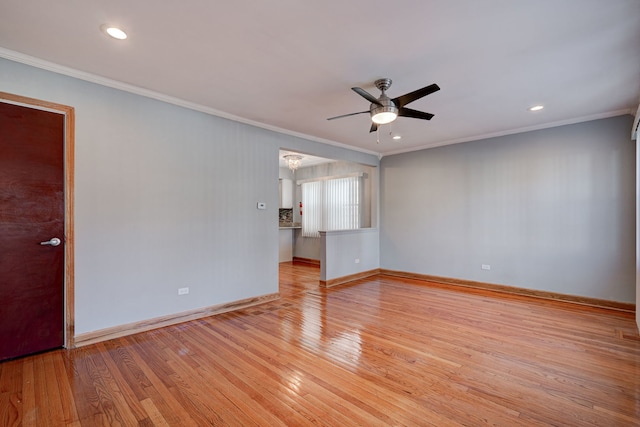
[(165, 197), (348, 252), (551, 210), (638, 230), (310, 247)]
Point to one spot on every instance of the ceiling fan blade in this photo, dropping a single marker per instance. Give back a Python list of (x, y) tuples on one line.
[(374, 127), (408, 112), (403, 100), (366, 95), (347, 115)]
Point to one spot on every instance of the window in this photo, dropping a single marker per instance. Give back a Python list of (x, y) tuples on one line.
[(331, 204)]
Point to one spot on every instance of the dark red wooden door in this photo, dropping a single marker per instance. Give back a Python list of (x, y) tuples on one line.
[(31, 212)]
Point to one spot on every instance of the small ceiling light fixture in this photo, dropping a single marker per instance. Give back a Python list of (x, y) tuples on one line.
[(536, 108), (396, 137), (114, 32), (293, 161)]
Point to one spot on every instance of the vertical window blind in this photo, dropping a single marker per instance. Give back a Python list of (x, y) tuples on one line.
[(311, 208), (332, 204)]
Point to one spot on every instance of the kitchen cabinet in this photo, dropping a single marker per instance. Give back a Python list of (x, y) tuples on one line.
[(285, 245), (286, 193)]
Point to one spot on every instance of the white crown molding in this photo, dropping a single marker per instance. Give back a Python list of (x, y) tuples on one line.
[(103, 81), (514, 131), (636, 123)]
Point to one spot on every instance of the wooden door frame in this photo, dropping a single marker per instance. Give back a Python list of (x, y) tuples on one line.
[(69, 141)]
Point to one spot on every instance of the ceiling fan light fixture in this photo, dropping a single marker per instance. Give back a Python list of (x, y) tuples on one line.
[(384, 115)]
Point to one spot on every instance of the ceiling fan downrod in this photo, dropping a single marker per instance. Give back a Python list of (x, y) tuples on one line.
[(383, 84)]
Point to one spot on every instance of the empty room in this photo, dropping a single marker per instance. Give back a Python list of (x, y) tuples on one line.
[(363, 213)]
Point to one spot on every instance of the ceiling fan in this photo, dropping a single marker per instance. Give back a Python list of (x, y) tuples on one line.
[(384, 110)]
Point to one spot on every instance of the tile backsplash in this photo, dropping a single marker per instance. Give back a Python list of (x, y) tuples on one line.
[(286, 215)]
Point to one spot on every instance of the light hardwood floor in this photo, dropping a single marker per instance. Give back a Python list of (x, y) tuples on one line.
[(380, 351)]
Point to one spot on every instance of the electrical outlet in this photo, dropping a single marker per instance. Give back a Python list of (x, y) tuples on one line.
[(357, 260), (262, 205), (486, 267), (183, 291)]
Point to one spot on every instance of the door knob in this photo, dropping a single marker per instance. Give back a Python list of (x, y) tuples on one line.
[(53, 242)]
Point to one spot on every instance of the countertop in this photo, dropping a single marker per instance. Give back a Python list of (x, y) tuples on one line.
[(285, 226)]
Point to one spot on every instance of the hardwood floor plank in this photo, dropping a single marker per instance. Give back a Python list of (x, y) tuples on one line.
[(43, 405), (113, 400), (251, 381), (61, 373), (10, 411), (60, 409), (11, 405), (360, 388), (121, 386), (212, 402), (155, 417), (159, 392), (29, 408), (378, 351), (162, 389)]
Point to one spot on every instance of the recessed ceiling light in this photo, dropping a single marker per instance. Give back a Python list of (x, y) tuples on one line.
[(397, 137), (536, 108), (114, 32)]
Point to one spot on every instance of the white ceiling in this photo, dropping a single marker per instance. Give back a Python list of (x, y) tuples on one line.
[(290, 64)]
